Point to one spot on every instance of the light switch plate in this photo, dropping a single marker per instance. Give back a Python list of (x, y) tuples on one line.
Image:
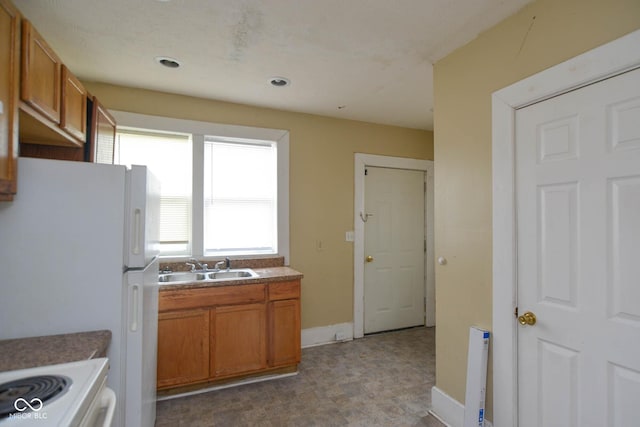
[(350, 236)]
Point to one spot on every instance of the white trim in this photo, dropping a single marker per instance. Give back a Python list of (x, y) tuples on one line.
[(608, 60), (362, 161), (228, 385), (448, 410), (429, 265), (281, 137), (321, 335)]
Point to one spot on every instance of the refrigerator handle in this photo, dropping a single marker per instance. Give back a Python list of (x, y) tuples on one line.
[(137, 231), (133, 308)]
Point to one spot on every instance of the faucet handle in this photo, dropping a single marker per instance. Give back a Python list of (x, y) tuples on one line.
[(192, 265)]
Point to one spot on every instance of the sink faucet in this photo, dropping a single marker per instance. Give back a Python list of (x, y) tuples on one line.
[(194, 262), (226, 263)]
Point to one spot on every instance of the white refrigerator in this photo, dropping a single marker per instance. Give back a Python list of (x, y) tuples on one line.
[(78, 252)]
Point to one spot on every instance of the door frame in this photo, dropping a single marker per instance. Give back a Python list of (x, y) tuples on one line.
[(372, 160), (596, 65)]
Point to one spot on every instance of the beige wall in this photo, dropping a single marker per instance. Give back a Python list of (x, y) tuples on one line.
[(541, 35), (321, 182)]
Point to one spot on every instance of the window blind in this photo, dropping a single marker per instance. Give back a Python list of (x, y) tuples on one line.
[(240, 196), (168, 156)]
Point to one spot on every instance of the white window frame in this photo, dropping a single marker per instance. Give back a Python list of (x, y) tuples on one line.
[(198, 130)]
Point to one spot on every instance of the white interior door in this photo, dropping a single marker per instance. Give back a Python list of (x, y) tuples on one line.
[(394, 281), (578, 248)]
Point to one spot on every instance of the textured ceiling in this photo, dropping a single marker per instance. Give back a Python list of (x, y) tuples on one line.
[(368, 60)]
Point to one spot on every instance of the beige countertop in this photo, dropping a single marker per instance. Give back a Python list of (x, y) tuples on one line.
[(265, 275), (21, 353)]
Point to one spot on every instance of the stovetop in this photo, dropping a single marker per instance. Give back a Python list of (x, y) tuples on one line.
[(56, 394)]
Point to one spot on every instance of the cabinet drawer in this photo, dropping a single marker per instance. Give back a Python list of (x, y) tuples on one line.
[(284, 290), (210, 297)]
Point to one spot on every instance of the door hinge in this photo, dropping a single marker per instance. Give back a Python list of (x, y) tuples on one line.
[(425, 187), (366, 172), (515, 312), (425, 246)]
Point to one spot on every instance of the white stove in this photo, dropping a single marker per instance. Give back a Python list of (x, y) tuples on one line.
[(68, 394)]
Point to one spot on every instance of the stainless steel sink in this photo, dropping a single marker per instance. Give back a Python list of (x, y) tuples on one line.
[(205, 276), (232, 274), (182, 277)]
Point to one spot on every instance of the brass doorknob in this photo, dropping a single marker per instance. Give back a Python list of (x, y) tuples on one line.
[(369, 258), (527, 318)]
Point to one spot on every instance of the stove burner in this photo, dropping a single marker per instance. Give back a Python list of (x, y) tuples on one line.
[(42, 387)]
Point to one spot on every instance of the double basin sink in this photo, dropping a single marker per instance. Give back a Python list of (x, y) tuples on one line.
[(205, 276)]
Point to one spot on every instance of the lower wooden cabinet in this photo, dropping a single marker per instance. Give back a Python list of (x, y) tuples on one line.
[(183, 347), (218, 333), (284, 319), (238, 341)]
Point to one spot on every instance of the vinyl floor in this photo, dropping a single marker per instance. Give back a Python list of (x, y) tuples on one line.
[(380, 380)]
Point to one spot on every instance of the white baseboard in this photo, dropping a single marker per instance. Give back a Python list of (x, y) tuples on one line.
[(327, 334), (228, 385), (448, 410)]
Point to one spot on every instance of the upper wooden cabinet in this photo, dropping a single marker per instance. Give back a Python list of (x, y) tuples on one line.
[(9, 83), (73, 116), (102, 137), (45, 111), (54, 107), (41, 74)]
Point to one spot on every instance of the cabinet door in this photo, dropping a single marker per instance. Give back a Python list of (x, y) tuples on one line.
[(239, 339), (41, 81), (103, 135), (183, 347), (9, 68), (73, 118), (284, 332)]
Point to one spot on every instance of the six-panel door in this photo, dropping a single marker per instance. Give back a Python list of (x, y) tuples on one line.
[(578, 216)]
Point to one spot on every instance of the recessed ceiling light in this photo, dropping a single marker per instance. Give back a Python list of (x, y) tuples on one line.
[(279, 81), (167, 62)]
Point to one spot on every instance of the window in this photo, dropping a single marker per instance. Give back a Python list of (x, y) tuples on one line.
[(240, 196), (224, 188)]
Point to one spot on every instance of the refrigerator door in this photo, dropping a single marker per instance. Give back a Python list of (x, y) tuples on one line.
[(141, 301), (142, 215)]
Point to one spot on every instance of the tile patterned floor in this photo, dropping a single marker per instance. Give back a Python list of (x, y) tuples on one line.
[(380, 380)]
